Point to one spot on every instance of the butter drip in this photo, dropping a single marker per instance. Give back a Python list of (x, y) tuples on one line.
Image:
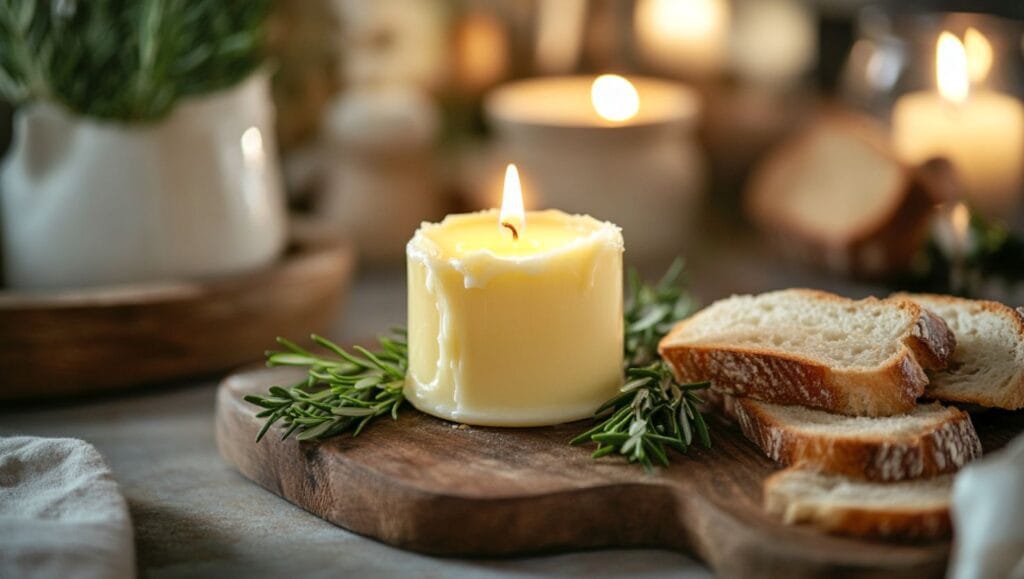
[(472, 242)]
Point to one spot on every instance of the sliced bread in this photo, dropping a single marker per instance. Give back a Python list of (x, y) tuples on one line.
[(929, 441), (917, 509), (812, 348), (987, 367), (837, 196)]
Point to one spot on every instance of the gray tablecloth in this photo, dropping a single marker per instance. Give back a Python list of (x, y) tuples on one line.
[(195, 516)]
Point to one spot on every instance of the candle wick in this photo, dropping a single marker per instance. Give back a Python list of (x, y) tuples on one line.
[(515, 234)]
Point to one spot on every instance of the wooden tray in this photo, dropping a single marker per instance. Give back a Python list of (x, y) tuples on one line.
[(82, 341), (427, 485)]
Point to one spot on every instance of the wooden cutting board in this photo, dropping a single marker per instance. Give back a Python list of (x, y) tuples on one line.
[(431, 486)]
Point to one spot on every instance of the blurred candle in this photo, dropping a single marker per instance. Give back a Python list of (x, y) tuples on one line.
[(979, 55), (480, 52), (981, 132), (559, 34), (772, 42), (614, 98), (618, 148), (587, 101), (685, 37)]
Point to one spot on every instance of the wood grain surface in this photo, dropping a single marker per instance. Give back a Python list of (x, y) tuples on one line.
[(431, 486), (82, 341)]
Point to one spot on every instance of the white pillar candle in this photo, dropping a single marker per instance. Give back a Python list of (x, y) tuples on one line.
[(614, 147), (515, 319), (982, 133), (686, 37)]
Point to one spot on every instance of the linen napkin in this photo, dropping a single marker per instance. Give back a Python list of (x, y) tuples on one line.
[(988, 512), (61, 513)]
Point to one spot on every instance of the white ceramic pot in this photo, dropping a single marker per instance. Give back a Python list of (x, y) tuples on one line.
[(197, 194)]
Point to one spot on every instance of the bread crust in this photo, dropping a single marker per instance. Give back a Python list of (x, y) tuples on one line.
[(886, 244), (943, 449), (933, 342), (890, 523), (1013, 401), (787, 378)]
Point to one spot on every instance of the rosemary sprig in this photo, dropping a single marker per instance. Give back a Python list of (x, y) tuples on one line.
[(651, 311), (341, 392), (127, 60), (653, 412)]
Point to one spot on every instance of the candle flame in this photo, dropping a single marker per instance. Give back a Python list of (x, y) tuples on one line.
[(979, 54), (512, 216), (951, 68), (614, 98)]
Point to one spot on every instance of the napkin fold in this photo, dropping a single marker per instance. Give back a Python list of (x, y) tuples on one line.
[(61, 512), (988, 512)]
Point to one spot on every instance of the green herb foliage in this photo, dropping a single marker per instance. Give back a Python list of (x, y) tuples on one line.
[(653, 413), (995, 257), (126, 60), (341, 392)]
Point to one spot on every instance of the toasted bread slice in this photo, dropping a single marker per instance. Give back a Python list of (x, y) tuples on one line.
[(929, 441), (916, 509), (987, 367), (812, 348)]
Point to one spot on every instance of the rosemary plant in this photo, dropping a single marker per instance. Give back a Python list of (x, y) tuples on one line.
[(346, 390), (653, 412), (126, 60), (339, 393)]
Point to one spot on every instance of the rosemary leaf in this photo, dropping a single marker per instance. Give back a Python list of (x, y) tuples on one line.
[(345, 391), (652, 410), (341, 391), (127, 60)]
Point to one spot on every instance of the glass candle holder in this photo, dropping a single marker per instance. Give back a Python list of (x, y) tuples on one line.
[(949, 85)]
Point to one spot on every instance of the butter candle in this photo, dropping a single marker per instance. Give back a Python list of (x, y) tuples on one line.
[(515, 318)]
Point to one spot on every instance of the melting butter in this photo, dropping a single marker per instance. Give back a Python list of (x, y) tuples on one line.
[(507, 332)]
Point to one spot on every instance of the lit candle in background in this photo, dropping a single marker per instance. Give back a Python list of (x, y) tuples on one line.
[(480, 54), (515, 318), (560, 25), (978, 52), (772, 42), (614, 98), (614, 147), (684, 37), (980, 131), (577, 101)]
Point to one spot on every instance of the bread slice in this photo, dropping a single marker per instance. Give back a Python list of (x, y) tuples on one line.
[(812, 348), (917, 509), (837, 196), (929, 441), (987, 367)]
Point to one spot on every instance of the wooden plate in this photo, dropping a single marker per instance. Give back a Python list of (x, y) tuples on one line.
[(427, 485), (89, 340)]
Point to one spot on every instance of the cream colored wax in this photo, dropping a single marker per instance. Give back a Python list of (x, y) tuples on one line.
[(514, 332)]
